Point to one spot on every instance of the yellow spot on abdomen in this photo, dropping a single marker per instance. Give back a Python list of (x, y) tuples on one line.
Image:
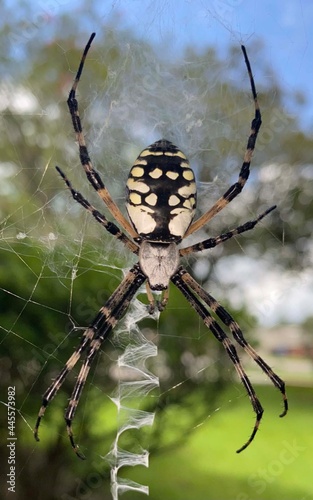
[(151, 199), (188, 175), (137, 185), (172, 175), (135, 198), (173, 200), (137, 171), (156, 173)]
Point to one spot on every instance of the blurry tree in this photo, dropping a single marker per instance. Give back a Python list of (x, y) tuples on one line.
[(130, 95)]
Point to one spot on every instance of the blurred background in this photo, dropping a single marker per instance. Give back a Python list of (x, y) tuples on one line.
[(174, 70)]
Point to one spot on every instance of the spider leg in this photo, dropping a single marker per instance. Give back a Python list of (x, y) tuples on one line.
[(92, 176), (236, 188), (213, 242), (183, 281), (236, 331), (109, 226), (58, 382), (101, 326)]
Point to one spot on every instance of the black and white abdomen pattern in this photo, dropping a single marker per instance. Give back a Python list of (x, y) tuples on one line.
[(161, 193)]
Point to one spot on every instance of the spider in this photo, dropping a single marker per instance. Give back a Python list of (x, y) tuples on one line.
[(160, 201)]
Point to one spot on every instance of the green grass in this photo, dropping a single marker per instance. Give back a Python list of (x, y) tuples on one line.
[(277, 465)]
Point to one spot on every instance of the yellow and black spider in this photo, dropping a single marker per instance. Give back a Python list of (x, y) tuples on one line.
[(161, 203)]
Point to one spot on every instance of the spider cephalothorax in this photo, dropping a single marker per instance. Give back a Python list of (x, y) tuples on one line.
[(161, 203)]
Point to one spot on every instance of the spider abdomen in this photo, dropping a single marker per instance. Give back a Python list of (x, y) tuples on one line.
[(161, 193)]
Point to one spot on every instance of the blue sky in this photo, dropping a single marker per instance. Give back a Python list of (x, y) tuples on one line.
[(285, 27)]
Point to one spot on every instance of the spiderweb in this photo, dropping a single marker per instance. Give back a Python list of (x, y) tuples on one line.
[(135, 387), (63, 267)]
